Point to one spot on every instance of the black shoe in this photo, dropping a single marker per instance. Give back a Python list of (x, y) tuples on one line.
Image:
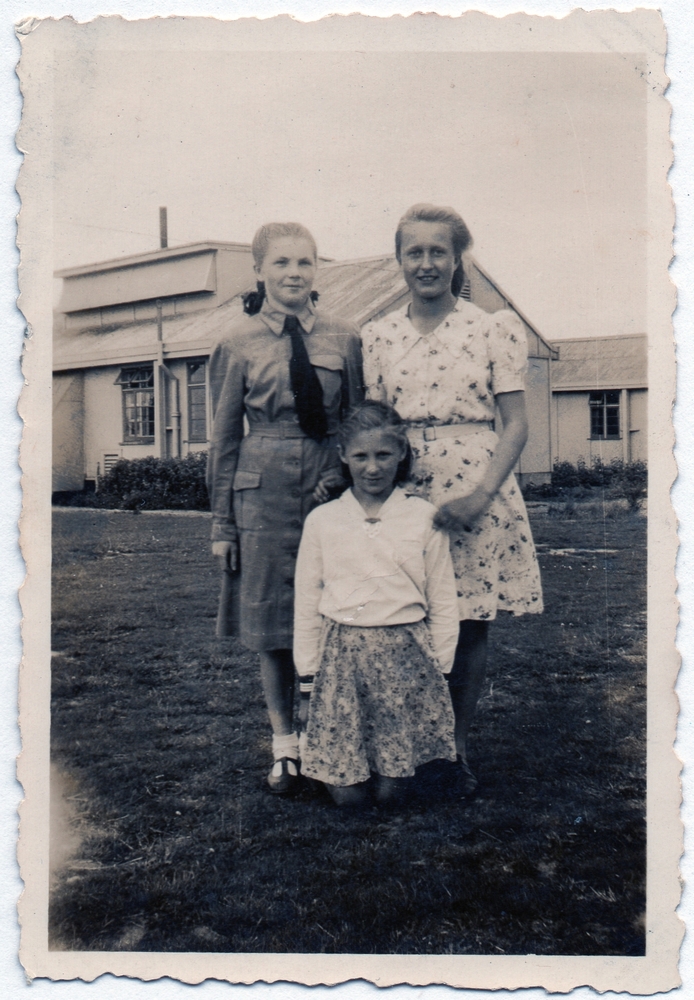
[(285, 783)]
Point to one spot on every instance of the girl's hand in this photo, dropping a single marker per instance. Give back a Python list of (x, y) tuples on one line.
[(228, 555), (463, 514), (303, 711), (329, 482)]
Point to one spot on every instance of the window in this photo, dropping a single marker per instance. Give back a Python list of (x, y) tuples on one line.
[(138, 404), (604, 415), (197, 401)]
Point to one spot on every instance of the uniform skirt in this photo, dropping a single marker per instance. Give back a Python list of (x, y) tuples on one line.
[(277, 472), (380, 704)]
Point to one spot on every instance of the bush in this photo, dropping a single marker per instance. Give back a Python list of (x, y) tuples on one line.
[(616, 481), (155, 484)]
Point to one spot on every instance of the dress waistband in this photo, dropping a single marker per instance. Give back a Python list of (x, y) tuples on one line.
[(451, 430), (280, 429)]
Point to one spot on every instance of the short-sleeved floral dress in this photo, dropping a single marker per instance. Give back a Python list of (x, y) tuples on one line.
[(450, 377)]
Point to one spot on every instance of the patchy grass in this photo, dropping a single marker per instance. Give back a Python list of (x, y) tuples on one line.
[(162, 731)]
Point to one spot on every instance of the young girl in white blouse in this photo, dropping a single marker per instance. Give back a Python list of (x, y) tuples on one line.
[(376, 622)]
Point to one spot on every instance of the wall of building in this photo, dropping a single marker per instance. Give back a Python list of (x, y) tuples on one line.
[(103, 429), (535, 463), (88, 424), (68, 431), (184, 284), (638, 415), (179, 368), (571, 429)]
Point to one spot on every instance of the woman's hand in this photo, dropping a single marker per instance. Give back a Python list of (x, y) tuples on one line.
[(329, 481), (228, 555), (462, 515)]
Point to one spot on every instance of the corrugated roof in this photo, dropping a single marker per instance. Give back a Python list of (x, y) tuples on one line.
[(183, 336), (357, 290), (360, 290), (601, 363)]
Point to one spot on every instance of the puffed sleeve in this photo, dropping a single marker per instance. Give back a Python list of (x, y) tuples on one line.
[(308, 587), (442, 599), (373, 375), (508, 352), (227, 392)]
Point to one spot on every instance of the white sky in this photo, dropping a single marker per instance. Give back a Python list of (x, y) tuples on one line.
[(543, 155)]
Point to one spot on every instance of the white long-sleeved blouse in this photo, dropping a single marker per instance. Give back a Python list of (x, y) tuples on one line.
[(357, 571)]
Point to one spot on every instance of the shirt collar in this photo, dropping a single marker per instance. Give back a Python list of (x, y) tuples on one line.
[(396, 497), (274, 318), (447, 333)]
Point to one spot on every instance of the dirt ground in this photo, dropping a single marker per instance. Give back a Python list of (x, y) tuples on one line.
[(165, 836)]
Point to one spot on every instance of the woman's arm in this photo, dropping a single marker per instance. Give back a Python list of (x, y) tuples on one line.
[(463, 513), (227, 389), (308, 587), (442, 599)]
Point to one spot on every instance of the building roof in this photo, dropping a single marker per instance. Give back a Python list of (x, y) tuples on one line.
[(362, 289), (359, 290), (150, 256), (601, 363), (184, 336), (369, 287)]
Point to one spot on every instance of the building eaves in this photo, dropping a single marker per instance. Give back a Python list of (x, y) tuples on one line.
[(116, 263)]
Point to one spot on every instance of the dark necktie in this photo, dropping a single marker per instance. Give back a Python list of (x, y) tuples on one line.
[(308, 392)]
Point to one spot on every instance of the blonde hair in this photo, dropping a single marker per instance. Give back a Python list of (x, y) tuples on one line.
[(275, 230), (252, 301), (460, 234)]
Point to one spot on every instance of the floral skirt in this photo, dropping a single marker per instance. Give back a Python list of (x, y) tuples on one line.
[(380, 704), (495, 563)]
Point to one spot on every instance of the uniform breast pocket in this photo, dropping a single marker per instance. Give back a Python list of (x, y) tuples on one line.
[(329, 370), (247, 500)]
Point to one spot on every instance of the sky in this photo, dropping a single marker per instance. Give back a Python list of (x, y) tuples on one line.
[(544, 155)]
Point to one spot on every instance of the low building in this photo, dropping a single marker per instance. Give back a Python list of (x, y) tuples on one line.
[(132, 338), (600, 399)]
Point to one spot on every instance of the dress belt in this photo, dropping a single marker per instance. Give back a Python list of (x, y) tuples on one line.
[(451, 430), (280, 429)]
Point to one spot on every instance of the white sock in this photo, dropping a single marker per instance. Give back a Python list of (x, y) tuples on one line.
[(285, 746)]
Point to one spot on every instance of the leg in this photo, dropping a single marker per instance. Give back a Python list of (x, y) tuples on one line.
[(350, 796), (390, 790), (277, 676), (467, 678)]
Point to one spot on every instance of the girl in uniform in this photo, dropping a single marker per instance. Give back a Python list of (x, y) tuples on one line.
[(291, 371), (376, 622), (451, 369)]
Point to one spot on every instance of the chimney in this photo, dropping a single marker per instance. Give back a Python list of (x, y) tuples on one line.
[(163, 229)]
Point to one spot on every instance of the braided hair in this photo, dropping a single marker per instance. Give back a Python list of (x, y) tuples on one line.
[(460, 235), (252, 301)]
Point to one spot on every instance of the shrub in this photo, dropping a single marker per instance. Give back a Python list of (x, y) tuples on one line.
[(617, 480), (155, 484)]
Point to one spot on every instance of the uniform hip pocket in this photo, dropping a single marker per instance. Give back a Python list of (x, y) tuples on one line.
[(247, 500)]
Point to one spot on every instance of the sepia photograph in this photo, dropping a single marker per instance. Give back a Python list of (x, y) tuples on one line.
[(352, 413)]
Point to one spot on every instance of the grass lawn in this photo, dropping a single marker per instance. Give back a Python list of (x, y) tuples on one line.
[(159, 731)]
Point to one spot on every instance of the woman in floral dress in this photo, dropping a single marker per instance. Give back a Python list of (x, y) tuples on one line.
[(451, 370)]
